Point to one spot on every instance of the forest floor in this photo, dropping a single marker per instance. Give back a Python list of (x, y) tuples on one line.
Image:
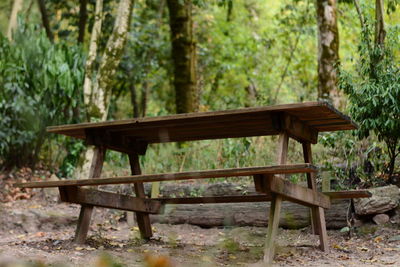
[(41, 230)]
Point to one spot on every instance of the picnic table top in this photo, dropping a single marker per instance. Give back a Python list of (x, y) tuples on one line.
[(259, 121)]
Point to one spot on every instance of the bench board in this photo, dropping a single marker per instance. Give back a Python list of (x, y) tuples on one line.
[(219, 173)]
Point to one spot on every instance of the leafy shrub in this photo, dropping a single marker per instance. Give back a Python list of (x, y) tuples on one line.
[(40, 85), (374, 92)]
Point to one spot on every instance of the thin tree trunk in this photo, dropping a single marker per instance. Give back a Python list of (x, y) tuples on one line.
[(45, 20), (97, 85), (90, 61), (380, 32), (112, 55), (360, 15), (183, 55), (28, 11), (145, 92), (229, 11), (328, 49), (82, 20), (13, 22), (135, 108)]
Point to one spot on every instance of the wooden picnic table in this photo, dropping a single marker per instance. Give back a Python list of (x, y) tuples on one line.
[(301, 122)]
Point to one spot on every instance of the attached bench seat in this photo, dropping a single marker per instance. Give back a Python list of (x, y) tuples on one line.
[(72, 190), (143, 178)]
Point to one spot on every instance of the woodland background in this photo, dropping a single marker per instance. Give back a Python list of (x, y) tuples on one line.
[(70, 61)]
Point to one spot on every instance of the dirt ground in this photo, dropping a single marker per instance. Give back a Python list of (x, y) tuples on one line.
[(39, 232)]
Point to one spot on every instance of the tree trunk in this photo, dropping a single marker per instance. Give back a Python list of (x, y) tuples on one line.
[(380, 35), (82, 20), (293, 216), (97, 84), (145, 92), (134, 102), (183, 55), (90, 61), (12, 24), (45, 20), (380, 32), (328, 50)]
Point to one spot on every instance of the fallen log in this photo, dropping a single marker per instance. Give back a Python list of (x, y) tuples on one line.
[(293, 216)]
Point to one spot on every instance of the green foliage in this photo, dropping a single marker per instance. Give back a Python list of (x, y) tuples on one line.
[(374, 92), (40, 86), (353, 163), (70, 161)]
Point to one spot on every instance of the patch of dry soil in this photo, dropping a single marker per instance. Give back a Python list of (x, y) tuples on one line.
[(39, 231)]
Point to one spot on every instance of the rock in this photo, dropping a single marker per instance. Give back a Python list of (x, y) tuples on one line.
[(383, 199), (381, 219), (394, 238), (357, 223)]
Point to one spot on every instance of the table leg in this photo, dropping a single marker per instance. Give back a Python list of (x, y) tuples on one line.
[(276, 203), (273, 226), (143, 219), (86, 210), (317, 213)]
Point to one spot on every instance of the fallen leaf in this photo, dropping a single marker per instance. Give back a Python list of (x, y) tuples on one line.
[(39, 234)]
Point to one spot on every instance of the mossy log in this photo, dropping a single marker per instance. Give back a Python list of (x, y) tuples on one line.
[(293, 216)]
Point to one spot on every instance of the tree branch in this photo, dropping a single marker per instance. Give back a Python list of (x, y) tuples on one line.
[(360, 15)]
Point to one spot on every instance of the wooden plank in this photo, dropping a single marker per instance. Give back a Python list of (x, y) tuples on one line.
[(219, 173), (209, 123), (272, 231), (216, 199), (259, 183), (119, 143), (298, 129), (348, 194), (276, 204), (312, 184), (282, 149), (82, 228), (143, 219), (298, 194), (317, 214), (111, 200), (323, 235), (86, 210)]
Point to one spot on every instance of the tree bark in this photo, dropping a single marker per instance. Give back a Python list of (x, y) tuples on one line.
[(12, 24), (97, 82), (328, 50), (293, 216), (134, 102), (183, 55), (90, 61), (380, 32), (82, 20), (143, 101), (45, 20)]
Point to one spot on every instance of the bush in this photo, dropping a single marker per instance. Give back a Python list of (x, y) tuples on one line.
[(374, 93), (40, 85)]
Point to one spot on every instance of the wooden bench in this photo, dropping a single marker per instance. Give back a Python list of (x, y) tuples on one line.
[(301, 122)]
